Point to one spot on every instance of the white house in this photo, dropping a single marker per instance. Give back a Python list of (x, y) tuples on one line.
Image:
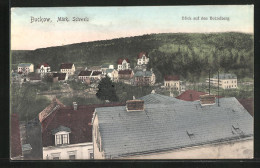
[(25, 68), (174, 82), (123, 64), (43, 68), (112, 74), (226, 81), (66, 131), (142, 58), (163, 127), (67, 68)]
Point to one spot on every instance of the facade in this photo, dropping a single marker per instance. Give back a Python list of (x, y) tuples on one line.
[(168, 128), (25, 68), (125, 74), (67, 68), (123, 64), (174, 82), (144, 78), (112, 74), (226, 81), (43, 68), (142, 58)]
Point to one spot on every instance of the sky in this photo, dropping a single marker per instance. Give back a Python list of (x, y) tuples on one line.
[(115, 22)]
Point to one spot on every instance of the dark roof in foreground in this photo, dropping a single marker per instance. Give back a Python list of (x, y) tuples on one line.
[(78, 121), (167, 126), (248, 104), (15, 145)]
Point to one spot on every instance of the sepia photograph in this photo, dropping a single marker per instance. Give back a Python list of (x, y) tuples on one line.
[(132, 82)]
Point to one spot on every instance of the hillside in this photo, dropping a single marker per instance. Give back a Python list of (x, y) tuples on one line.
[(184, 53)]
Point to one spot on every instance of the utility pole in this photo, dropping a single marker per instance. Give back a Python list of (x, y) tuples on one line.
[(209, 82), (218, 87)]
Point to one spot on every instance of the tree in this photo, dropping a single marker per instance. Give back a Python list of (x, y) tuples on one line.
[(106, 90)]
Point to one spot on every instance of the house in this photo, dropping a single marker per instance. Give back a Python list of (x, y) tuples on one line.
[(112, 74), (190, 95), (144, 78), (25, 68), (43, 68), (67, 68), (15, 139), (174, 82), (83, 75), (67, 131), (104, 67), (123, 64), (60, 77), (125, 74), (34, 77), (94, 68), (142, 58), (163, 127), (226, 81)]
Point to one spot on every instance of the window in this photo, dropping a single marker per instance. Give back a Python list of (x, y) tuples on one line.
[(55, 156), (72, 155), (62, 139)]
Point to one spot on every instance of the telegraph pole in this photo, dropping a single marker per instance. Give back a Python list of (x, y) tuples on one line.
[(218, 88), (209, 82)]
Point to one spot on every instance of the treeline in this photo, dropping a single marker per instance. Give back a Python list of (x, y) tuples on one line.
[(188, 54)]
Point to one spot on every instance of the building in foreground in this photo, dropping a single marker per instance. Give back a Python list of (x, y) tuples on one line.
[(226, 81), (190, 95), (67, 131), (162, 127)]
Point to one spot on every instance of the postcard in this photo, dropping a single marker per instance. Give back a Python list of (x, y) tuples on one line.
[(139, 82)]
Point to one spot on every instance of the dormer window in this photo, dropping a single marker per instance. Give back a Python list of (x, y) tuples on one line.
[(61, 135)]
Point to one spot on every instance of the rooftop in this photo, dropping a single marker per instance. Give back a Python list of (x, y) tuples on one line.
[(165, 126), (85, 73), (190, 95), (24, 64), (43, 64), (61, 76), (143, 74), (171, 78), (121, 60), (140, 55), (66, 65), (225, 76), (125, 72)]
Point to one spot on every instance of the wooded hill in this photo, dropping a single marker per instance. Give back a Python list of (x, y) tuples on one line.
[(190, 55)]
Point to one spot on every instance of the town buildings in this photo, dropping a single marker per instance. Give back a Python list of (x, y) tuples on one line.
[(112, 74), (144, 78), (163, 127), (25, 68), (91, 76), (43, 68), (125, 74), (174, 82), (226, 81), (123, 64), (105, 67), (67, 68), (142, 58)]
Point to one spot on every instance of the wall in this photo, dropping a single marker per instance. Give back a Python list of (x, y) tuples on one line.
[(232, 150), (97, 153), (82, 150)]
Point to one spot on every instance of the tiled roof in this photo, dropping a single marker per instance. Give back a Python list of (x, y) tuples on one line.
[(85, 73), (248, 105), (140, 55), (44, 64), (24, 64), (125, 72), (61, 76), (78, 121), (121, 60), (66, 65), (16, 147), (225, 76), (143, 74), (60, 128), (163, 127), (95, 73), (190, 95), (171, 78)]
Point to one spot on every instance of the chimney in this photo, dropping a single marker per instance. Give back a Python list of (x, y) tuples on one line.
[(75, 106), (207, 100), (133, 97), (135, 105)]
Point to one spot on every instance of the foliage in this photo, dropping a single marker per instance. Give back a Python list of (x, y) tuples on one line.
[(106, 90), (25, 101), (80, 100), (126, 92), (77, 85)]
